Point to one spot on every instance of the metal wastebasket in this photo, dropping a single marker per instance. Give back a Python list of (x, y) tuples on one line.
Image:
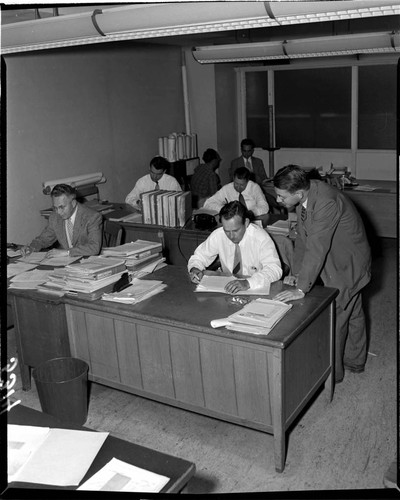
[(62, 385)]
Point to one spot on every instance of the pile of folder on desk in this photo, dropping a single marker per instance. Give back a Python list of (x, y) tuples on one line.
[(138, 255), (89, 278)]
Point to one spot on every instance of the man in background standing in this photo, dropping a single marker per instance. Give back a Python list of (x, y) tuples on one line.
[(253, 164)]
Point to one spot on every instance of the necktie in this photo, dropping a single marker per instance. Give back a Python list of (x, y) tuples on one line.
[(247, 164), (237, 261), (157, 187), (70, 228), (241, 199), (303, 214)]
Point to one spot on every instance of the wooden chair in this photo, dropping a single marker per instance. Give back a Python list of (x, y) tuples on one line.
[(112, 234)]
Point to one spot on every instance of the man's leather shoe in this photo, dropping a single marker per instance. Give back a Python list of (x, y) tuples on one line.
[(354, 369)]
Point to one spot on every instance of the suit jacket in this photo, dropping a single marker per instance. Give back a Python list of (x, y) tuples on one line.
[(86, 236), (258, 175), (335, 243)]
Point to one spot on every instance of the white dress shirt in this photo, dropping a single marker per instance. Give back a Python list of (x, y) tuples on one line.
[(253, 196), (260, 260), (145, 184)]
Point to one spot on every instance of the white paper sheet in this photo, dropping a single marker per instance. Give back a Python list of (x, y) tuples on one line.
[(62, 458), (18, 268), (215, 283), (120, 476), (33, 258)]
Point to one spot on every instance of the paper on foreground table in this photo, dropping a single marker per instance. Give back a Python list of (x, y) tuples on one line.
[(217, 283), (120, 476)]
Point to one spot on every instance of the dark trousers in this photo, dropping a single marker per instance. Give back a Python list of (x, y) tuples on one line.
[(351, 336)]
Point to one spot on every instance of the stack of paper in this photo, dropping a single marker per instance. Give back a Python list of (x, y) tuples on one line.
[(40, 258), (258, 316), (94, 274), (138, 290), (279, 227), (138, 249), (217, 283), (30, 279), (18, 268)]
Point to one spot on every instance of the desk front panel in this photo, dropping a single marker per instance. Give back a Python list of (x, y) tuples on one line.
[(219, 377)]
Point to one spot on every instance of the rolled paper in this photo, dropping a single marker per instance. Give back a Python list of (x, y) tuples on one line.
[(75, 181), (161, 146), (171, 148)]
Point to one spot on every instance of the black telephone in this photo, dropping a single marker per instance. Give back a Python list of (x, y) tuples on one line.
[(204, 221)]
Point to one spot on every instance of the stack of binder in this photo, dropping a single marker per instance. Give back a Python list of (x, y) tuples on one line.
[(87, 279), (166, 208), (137, 254)]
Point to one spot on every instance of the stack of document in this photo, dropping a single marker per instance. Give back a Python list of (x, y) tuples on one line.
[(279, 227), (138, 249), (30, 279), (18, 268), (40, 258), (258, 316), (138, 290), (94, 274)]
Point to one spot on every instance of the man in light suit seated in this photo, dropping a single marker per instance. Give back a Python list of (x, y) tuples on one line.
[(253, 164), (244, 249), (78, 229), (156, 179)]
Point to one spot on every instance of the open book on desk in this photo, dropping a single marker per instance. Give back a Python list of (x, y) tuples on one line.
[(217, 283)]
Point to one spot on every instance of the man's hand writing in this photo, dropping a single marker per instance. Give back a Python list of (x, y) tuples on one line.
[(195, 275), (236, 286), (25, 251)]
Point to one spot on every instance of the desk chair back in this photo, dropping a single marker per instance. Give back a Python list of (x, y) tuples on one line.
[(112, 234)]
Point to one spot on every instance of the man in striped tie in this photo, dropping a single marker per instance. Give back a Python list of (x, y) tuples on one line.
[(77, 229), (334, 248), (245, 251)]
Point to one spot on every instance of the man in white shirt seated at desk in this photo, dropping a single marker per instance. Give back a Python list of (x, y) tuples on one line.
[(78, 229), (245, 250), (242, 189), (156, 179)]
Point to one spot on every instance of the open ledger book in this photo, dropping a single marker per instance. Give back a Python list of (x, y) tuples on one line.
[(258, 316), (217, 283)]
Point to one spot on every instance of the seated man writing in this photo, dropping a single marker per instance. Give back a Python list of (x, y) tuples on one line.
[(245, 250), (78, 229), (156, 179)]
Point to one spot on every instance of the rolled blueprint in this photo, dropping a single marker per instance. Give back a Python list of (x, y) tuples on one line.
[(75, 181)]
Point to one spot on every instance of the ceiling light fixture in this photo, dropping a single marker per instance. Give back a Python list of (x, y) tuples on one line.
[(141, 21), (366, 43)]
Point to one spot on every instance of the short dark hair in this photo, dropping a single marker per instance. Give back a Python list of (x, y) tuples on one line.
[(231, 209), (247, 142), (60, 189), (291, 178), (209, 155), (159, 163), (242, 173)]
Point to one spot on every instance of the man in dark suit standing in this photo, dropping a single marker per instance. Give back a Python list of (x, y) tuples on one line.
[(335, 249), (255, 165), (77, 229)]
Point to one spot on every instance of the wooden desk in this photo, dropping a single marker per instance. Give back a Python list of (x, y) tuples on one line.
[(165, 349), (178, 470), (378, 208)]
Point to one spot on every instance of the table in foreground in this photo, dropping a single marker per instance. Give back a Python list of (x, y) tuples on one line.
[(165, 349), (178, 470)]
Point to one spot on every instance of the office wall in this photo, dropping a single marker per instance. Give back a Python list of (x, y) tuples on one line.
[(84, 110)]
